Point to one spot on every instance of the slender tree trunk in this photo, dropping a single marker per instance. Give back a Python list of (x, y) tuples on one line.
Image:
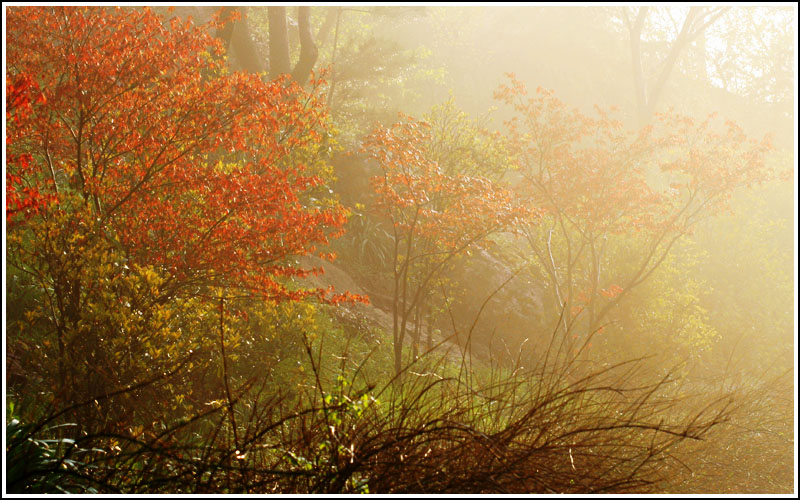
[(684, 37), (416, 332), (640, 88), (429, 326), (333, 57), (396, 340)]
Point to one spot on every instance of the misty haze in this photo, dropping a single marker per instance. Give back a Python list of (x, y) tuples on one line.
[(400, 249)]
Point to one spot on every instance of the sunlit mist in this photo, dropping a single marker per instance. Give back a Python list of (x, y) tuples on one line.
[(409, 249)]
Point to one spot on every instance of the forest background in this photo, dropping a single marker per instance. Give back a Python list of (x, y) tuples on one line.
[(400, 249)]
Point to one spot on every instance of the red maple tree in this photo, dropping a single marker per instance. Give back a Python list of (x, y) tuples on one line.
[(435, 216), (615, 202), (141, 135)]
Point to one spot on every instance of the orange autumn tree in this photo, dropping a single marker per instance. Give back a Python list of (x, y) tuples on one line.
[(614, 203), (435, 216), (140, 172), (189, 169), (21, 94)]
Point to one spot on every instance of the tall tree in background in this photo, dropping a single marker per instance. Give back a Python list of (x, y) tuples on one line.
[(235, 33), (236, 38), (648, 91)]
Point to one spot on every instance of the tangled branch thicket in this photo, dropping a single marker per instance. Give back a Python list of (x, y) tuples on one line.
[(558, 427)]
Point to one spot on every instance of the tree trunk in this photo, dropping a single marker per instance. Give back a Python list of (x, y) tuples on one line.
[(684, 37), (235, 36), (702, 57), (640, 89), (415, 332), (429, 327), (331, 14), (225, 32), (279, 63), (695, 23), (245, 49), (308, 51)]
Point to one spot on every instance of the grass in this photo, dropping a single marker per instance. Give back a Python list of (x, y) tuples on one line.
[(338, 421)]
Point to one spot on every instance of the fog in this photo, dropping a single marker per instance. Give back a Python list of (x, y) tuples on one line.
[(401, 249)]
